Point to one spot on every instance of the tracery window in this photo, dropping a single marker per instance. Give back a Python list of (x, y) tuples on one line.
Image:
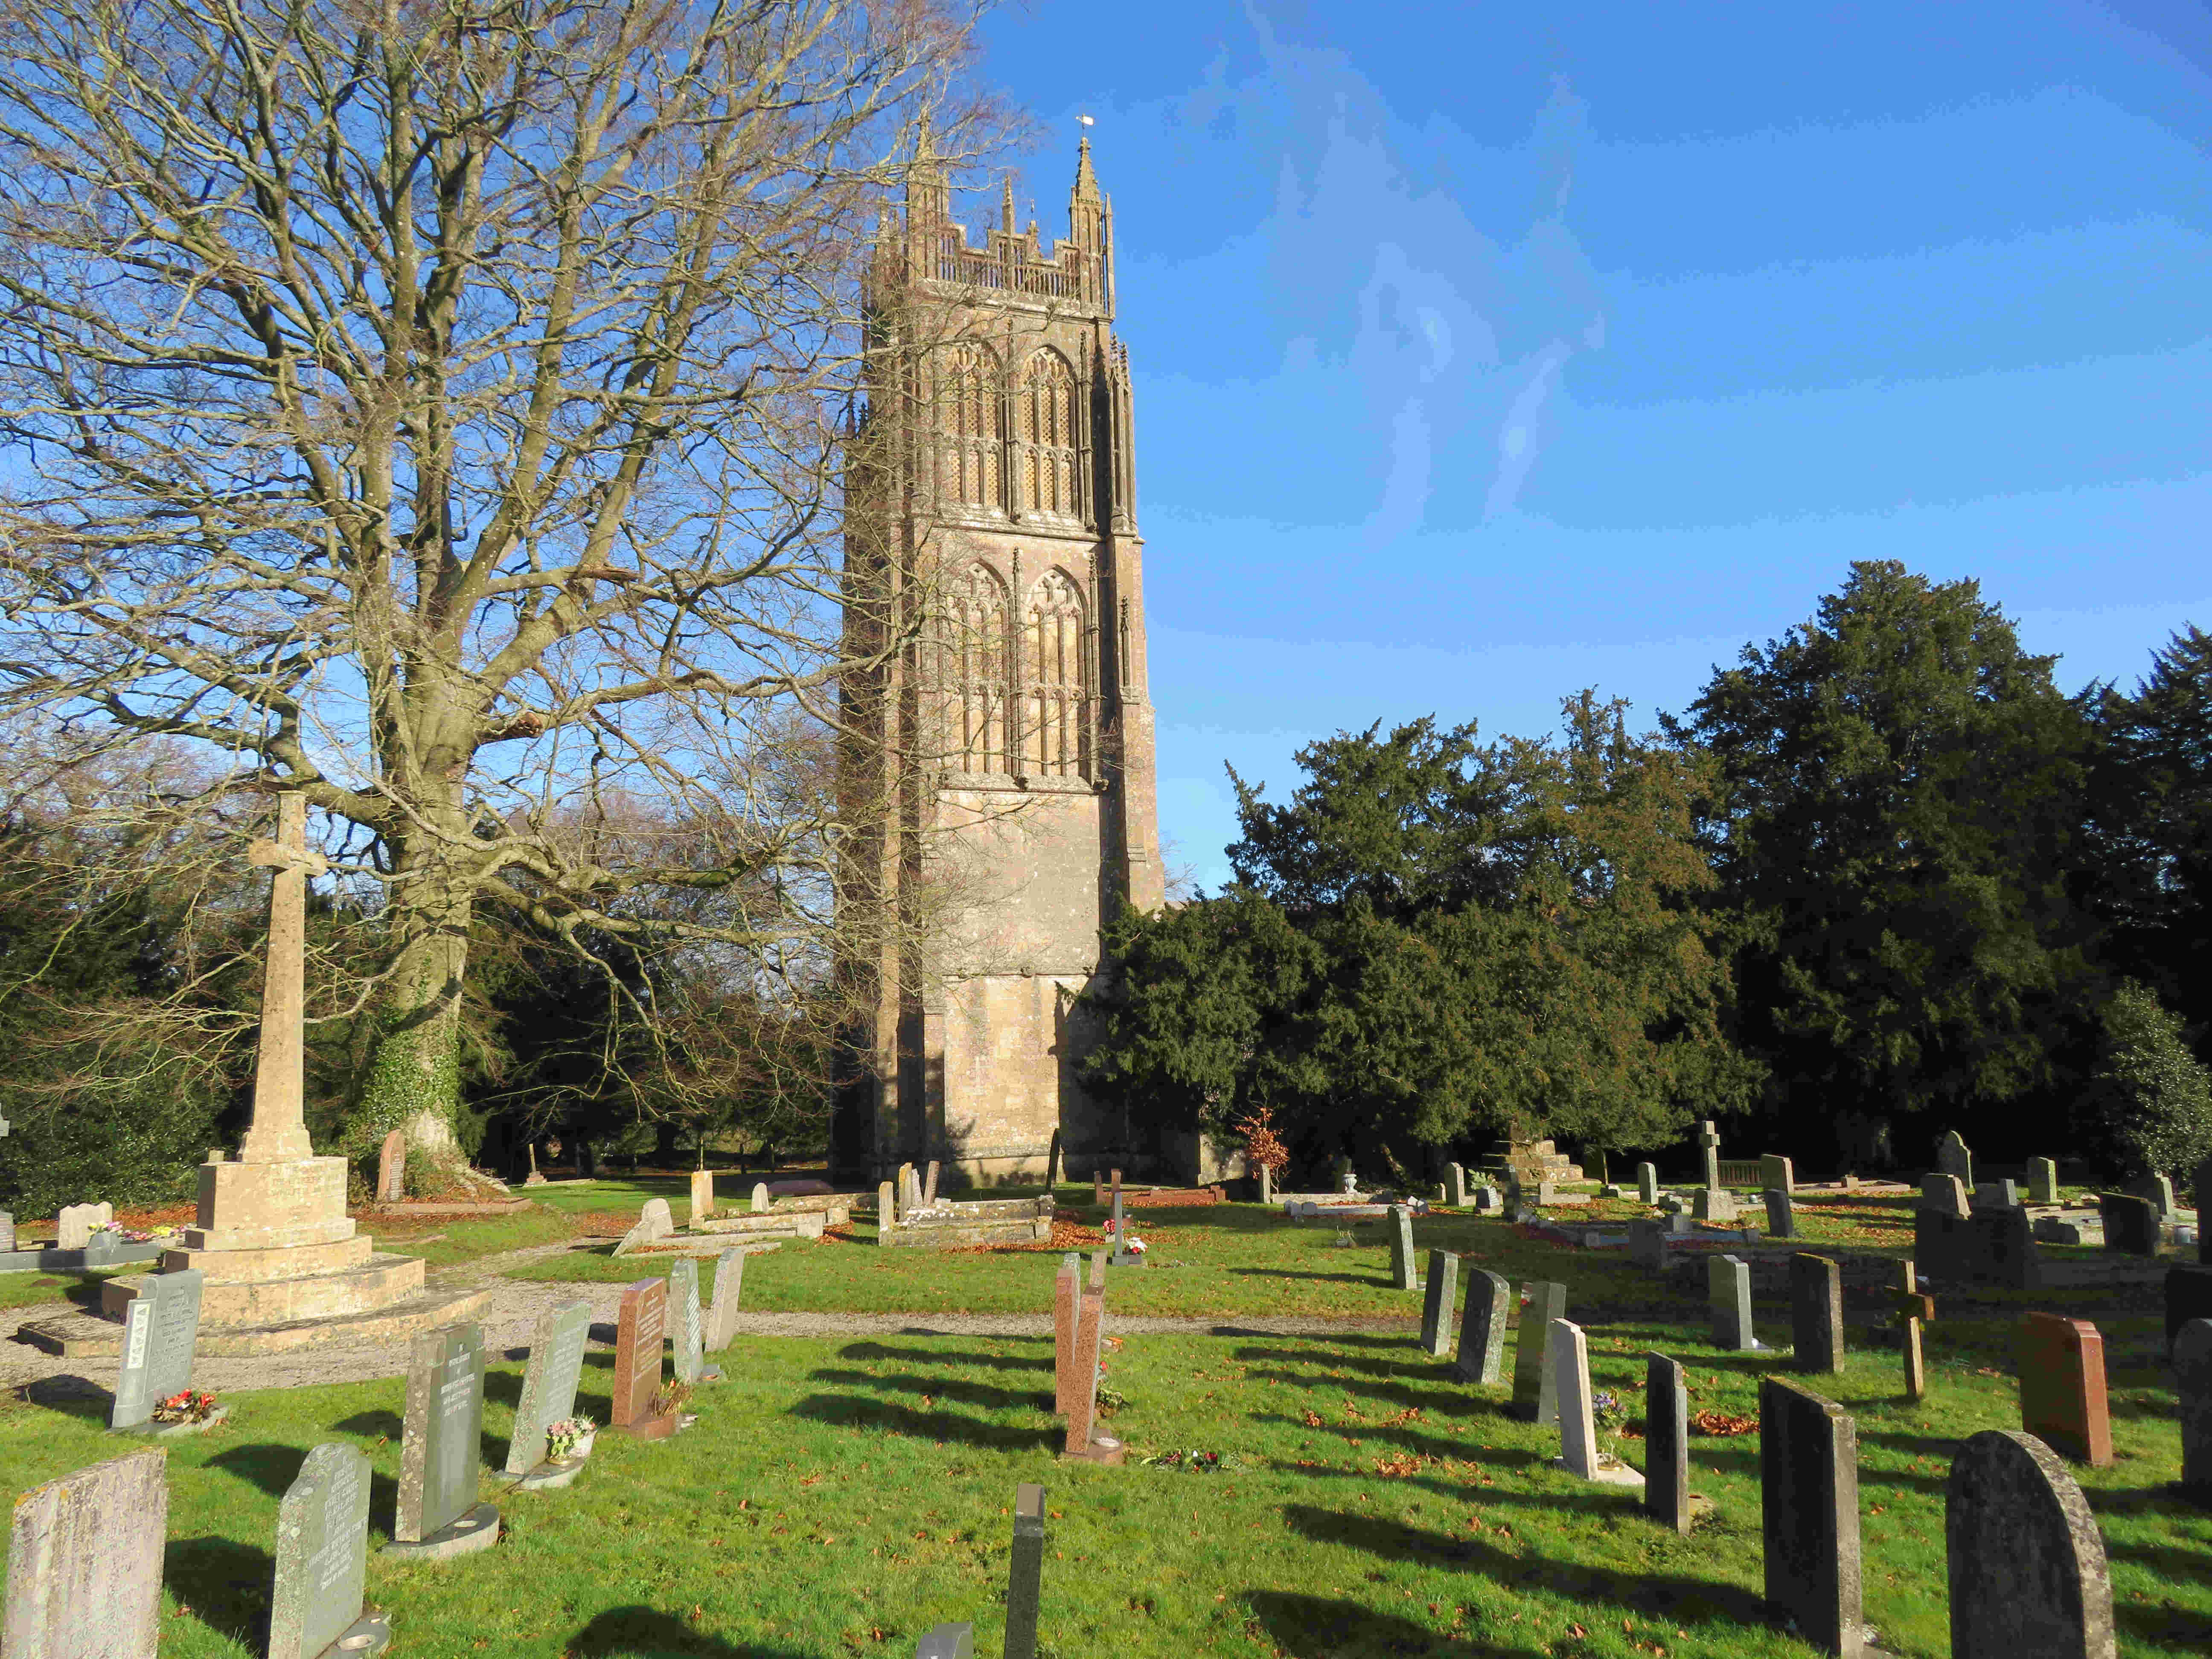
[(969, 427), (972, 671), (1056, 681), (1045, 423)]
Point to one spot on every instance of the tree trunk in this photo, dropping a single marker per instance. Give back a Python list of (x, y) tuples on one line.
[(412, 1081)]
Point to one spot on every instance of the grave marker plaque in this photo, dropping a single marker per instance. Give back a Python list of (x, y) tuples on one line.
[(1808, 1484), (84, 1563), (1482, 1327), (441, 1447), (1532, 1399), (2027, 1563), (729, 1287), (2062, 1387), (1437, 1304), (322, 1561), (548, 1381), (1816, 1313), (159, 1329), (640, 1328)]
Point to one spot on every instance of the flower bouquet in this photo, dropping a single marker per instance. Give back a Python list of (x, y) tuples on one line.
[(569, 1441), (1203, 1462), (191, 1406), (671, 1400), (1608, 1417)]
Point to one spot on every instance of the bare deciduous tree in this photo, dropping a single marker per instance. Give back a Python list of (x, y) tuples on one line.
[(436, 406)]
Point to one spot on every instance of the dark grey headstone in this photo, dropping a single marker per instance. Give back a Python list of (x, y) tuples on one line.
[(2027, 1561), (1666, 1443), (84, 1563), (161, 1328), (322, 1553), (1025, 1573), (2192, 1394), (1646, 1183), (2203, 1189), (1816, 1313), (2130, 1224), (441, 1449), (1402, 1247), (1532, 1381), (1995, 1194), (1482, 1327), (2042, 1180), (1781, 1213), (1952, 1158), (729, 1285), (1728, 1299), (1437, 1304), (1808, 1488), (1994, 1245), (1647, 1245), (548, 1381), (2188, 1296)]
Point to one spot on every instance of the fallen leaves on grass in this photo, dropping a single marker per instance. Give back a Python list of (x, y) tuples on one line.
[(1399, 1465), (1722, 1422)]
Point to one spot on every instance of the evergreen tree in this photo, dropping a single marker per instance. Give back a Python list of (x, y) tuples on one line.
[(2152, 1097)]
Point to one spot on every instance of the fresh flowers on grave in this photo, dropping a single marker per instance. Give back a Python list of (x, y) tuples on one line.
[(1204, 1463), (1133, 1244), (673, 1397), (191, 1406), (570, 1438), (1606, 1414)]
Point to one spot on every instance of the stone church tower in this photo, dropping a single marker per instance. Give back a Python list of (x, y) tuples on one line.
[(994, 574)]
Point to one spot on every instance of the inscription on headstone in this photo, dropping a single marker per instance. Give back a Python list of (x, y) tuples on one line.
[(2027, 1568), (391, 1168), (641, 1327), (161, 1328), (322, 1559), (440, 1448), (548, 1381), (84, 1563)]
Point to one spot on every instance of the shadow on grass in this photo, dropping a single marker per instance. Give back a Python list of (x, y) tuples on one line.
[(857, 1411), (272, 1468), (226, 1585), (644, 1633), (1380, 1278), (933, 1387), (1314, 1627), (942, 1356), (388, 1424), (2170, 1627)]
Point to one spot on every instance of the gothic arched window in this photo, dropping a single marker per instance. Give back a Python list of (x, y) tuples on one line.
[(1046, 426), (969, 427), (972, 671), (1056, 680)]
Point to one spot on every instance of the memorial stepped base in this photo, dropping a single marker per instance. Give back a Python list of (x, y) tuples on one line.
[(90, 1336), (373, 1281), (1533, 1162)]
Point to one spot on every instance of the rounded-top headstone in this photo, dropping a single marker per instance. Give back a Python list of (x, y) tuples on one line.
[(2027, 1569)]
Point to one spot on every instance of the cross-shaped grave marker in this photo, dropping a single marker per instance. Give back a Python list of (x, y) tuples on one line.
[(1909, 1305)]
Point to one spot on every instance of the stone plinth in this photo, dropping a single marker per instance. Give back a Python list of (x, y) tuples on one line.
[(246, 1207)]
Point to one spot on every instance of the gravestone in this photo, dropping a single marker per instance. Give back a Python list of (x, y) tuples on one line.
[(160, 1328), (1728, 1300), (1816, 1313), (1997, 1194), (1995, 1245), (929, 1186), (2042, 1180), (1402, 1247), (1488, 1201), (322, 1561), (687, 1331), (2027, 1563), (73, 1227), (641, 1327), (1909, 1306), (2203, 1187), (1066, 1287), (549, 1390), (2193, 1392), (947, 1641), (1025, 1573), (1098, 1190), (654, 1224), (1647, 1245), (886, 1211), (1532, 1399), (1781, 1213), (104, 1249), (1666, 1443), (1459, 1186), (1709, 1154), (762, 1199), (441, 1450), (84, 1563), (1777, 1171), (2130, 1224), (1083, 1440), (391, 1168), (7, 1232), (1646, 1183), (1713, 1204), (1945, 1195), (1482, 1327), (2062, 1387), (1568, 1355), (1808, 1489), (1436, 1305), (702, 1195), (2158, 1189), (1952, 1159), (909, 1190), (722, 1314), (1122, 1256), (2188, 1296)]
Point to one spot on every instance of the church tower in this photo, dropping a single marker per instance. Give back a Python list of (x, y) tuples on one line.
[(1002, 735)]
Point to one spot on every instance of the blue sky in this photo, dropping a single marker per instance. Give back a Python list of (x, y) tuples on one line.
[(1487, 352)]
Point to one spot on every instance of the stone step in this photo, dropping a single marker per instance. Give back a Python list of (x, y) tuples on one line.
[(88, 1335)]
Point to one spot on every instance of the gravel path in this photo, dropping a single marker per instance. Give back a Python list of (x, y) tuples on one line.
[(512, 1315)]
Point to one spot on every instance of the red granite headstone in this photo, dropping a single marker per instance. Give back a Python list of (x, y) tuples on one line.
[(1083, 1439), (640, 1330), (1065, 1289), (2061, 1388)]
